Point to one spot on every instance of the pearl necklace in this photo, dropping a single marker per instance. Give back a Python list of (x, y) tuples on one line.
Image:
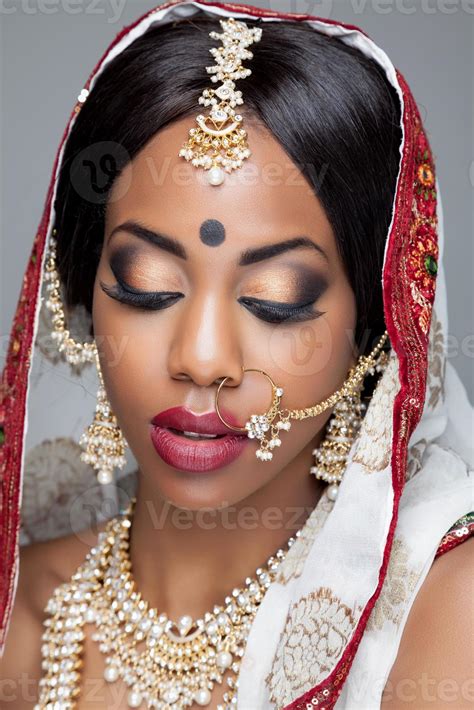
[(167, 665)]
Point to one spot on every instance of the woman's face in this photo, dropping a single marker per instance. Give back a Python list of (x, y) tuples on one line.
[(222, 284)]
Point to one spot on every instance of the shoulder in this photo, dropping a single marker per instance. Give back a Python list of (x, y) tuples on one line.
[(45, 565), (433, 668), (42, 567)]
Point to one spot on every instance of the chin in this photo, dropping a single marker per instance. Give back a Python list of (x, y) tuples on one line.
[(214, 490)]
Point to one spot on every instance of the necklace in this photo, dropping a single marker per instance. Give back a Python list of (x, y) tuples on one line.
[(166, 665)]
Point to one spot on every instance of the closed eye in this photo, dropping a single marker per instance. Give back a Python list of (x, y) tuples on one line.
[(268, 311), (274, 312), (143, 300)]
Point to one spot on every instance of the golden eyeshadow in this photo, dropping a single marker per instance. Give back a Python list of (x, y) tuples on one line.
[(136, 268), (295, 285)]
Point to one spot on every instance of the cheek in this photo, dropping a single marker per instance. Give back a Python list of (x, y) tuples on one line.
[(131, 354)]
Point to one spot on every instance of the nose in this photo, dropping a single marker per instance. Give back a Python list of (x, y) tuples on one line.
[(206, 347)]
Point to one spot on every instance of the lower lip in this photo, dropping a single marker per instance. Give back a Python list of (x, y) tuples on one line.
[(196, 456)]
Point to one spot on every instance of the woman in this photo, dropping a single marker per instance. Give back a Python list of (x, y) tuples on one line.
[(296, 259)]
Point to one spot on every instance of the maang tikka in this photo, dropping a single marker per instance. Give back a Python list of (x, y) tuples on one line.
[(103, 443), (219, 143)]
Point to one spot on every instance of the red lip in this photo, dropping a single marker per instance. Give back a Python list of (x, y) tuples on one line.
[(207, 423), (196, 456)]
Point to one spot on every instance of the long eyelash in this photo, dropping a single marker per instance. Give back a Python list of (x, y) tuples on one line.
[(265, 310), (141, 299), (281, 313)]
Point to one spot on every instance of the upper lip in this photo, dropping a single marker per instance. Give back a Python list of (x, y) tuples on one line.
[(206, 423)]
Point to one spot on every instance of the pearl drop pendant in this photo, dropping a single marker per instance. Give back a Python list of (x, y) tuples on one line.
[(202, 696), (215, 175)]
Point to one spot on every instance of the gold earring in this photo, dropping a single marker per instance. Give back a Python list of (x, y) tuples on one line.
[(330, 457), (103, 443)]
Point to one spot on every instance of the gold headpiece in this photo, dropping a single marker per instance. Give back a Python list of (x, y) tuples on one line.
[(219, 143)]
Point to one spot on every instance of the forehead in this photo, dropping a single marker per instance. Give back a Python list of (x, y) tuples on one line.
[(267, 196)]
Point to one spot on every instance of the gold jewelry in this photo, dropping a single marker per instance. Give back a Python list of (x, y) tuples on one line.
[(330, 458), (103, 443), (258, 424), (221, 133), (165, 664), (74, 352)]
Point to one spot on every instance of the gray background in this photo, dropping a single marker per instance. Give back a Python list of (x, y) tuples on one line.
[(49, 47)]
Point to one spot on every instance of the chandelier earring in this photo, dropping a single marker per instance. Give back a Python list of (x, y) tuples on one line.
[(330, 458), (103, 444)]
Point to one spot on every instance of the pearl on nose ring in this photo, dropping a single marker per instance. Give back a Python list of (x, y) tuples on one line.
[(259, 424)]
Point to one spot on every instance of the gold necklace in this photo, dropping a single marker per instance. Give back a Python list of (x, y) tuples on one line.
[(166, 665)]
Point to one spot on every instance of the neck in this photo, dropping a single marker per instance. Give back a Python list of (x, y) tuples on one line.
[(187, 567)]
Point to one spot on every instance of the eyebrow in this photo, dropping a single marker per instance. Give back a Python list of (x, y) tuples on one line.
[(247, 257)]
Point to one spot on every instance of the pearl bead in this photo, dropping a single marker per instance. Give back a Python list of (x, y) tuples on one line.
[(156, 631), (215, 176), (202, 696), (89, 616), (111, 674), (224, 659), (333, 491), (104, 477), (134, 699)]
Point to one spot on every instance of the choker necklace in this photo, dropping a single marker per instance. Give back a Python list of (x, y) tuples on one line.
[(166, 665)]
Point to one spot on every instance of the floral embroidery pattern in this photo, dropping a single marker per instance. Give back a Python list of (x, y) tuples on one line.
[(292, 565), (436, 363), (415, 458), (373, 445), (399, 583), (423, 257), (423, 252), (316, 632)]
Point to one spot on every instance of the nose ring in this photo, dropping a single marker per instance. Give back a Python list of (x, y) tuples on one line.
[(258, 424)]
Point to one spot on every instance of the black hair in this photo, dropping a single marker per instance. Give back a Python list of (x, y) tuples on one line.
[(330, 107)]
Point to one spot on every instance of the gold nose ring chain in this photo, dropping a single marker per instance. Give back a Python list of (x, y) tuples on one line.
[(275, 420)]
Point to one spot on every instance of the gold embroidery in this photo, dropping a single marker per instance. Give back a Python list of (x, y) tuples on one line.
[(292, 565), (316, 632), (415, 458), (373, 447), (399, 583), (437, 363)]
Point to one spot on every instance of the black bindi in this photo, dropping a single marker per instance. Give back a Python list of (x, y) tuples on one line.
[(212, 232)]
